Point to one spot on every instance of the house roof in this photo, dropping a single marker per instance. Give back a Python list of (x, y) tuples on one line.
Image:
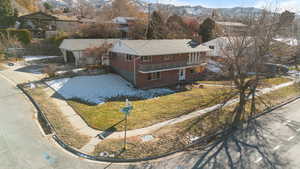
[(122, 20), (158, 47), (83, 44), (59, 17), (238, 24), (38, 15), (288, 41)]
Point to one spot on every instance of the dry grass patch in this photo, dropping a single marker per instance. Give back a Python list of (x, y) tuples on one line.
[(62, 126)]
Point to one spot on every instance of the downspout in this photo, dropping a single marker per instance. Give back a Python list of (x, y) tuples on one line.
[(134, 69)]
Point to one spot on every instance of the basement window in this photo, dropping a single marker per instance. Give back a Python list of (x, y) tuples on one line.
[(154, 76)]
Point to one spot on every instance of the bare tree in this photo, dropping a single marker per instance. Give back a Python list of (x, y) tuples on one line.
[(243, 63), (97, 55)]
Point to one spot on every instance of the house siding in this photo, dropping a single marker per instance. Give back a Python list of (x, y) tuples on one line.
[(121, 66), (167, 78)]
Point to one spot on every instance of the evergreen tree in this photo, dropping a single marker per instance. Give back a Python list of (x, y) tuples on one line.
[(207, 30), (7, 17), (156, 28), (47, 6)]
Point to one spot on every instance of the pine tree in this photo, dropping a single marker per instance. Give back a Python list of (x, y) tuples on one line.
[(7, 17), (156, 28), (207, 30)]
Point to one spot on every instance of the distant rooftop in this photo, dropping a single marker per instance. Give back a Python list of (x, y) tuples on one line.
[(238, 24)]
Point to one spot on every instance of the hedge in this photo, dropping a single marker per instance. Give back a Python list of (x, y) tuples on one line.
[(23, 35)]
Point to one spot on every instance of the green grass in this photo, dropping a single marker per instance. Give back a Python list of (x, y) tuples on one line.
[(148, 112), (275, 81)]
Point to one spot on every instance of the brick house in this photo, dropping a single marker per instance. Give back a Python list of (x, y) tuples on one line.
[(157, 63)]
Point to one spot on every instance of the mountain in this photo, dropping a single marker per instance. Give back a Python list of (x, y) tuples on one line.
[(179, 10)]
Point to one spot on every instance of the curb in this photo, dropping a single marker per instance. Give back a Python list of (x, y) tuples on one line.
[(49, 129)]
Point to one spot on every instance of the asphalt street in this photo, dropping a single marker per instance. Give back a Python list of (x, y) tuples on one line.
[(22, 145)]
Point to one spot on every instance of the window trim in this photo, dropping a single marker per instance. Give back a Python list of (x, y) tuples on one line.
[(168, 58), (126, 58), (148, 60), (157, 74)]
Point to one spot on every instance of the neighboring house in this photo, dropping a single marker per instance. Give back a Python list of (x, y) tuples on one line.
[(232, 28), (156, 63), (289, 41), (123, 24), (73, 49), (39, 23), (217, 46)]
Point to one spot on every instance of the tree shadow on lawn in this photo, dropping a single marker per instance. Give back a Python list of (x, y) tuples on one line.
[(107, 132), (34, 69)]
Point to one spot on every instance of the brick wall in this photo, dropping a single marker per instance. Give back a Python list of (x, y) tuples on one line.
[(166, 78), (123, 67)]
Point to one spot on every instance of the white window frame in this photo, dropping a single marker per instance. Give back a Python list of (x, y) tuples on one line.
[(168, 57), (154, 76), (146, 60), (127, 56)]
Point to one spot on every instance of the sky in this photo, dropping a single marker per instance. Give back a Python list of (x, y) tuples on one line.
[(292, 5)]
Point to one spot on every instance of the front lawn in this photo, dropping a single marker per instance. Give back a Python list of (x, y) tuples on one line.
[(150, 111)]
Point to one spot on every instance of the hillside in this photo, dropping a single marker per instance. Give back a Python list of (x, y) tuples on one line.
[(180, 10), (25, 6)]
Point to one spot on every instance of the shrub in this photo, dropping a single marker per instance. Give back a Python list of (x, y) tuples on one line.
[(50, 70), (57, 40), (23, 35)]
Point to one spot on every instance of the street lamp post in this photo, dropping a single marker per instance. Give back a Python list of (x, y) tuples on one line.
[(126, 110)]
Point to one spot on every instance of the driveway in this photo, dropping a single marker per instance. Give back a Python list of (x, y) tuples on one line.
[(22, 145)]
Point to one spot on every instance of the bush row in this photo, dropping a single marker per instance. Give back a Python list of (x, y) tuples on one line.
[(23, 35)]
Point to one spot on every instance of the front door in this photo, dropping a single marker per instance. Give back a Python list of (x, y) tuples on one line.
[(182, 74)]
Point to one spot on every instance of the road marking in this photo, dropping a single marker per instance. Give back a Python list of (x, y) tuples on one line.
[(258, 160), (276, 148), (291, 138)]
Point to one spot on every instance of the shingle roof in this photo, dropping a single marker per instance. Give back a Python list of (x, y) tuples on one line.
[(82, 44), (162, 47)]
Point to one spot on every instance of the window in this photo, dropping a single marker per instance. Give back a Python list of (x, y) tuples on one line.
[(154, 76), (146, 58), (192, 71), (168, 57), (211, 47), (128, 57)]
